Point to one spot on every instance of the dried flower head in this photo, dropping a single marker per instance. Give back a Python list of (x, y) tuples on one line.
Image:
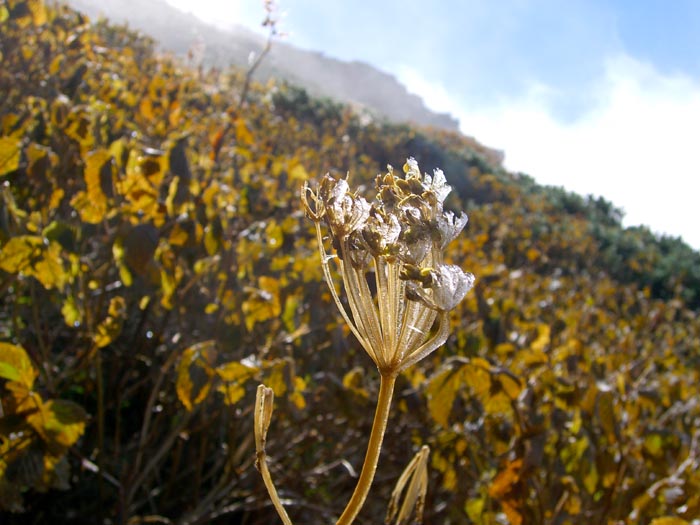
[(400, 238)]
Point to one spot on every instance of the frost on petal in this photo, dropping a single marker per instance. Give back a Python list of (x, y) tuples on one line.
[(414, 252), (332, 189), (449, 226), (357, 213), (415, 239), (339, 191), (347, 213), (389, 229), (381, 232), (411, 168), (357, 250), (437, 184), (450, 285)]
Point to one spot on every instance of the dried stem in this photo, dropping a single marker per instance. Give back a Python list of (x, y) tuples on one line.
[(369, 467), (265, 472), (263, 414)]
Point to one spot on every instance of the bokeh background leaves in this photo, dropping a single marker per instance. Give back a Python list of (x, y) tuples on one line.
[(155, 266)]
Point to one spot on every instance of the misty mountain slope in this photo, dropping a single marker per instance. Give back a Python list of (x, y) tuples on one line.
[(356, 83)]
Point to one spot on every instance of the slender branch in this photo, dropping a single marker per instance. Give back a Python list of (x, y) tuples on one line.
[(369, 467), (251, 70), (166, 444), (145, 426)]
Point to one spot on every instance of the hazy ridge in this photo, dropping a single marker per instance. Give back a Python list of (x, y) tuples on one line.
[(356, 83)]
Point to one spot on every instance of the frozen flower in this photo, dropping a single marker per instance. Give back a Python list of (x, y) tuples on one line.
[(398, 240)]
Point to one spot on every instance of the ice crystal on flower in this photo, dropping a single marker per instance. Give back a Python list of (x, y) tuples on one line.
[(400, 237)]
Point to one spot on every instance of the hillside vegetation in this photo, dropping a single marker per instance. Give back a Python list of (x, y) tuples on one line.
[(357, 83), (155, 267)]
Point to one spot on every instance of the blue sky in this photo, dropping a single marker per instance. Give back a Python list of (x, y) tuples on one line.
[(601, 97)]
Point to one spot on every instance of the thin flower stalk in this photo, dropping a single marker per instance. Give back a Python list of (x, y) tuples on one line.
[(263, 415)]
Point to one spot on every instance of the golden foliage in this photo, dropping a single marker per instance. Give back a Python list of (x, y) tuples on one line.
[(143, 212)]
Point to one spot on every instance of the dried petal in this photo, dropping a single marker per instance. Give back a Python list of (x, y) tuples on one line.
[(450, 285), (345, 212), (414, 246), (449, 227), (437, 184), (381, 233), (357, 251), (411, 168)]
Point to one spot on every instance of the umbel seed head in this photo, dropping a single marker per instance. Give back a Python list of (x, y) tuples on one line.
[(400, 238)]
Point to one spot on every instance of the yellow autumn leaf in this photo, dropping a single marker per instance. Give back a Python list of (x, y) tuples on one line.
[(212, 239), (475, 508), (505, 480), (31, 12), (71, 312), (110, 328), (194, 373), (668, 520), (20, 252), (441, 392), (119, 254), (31, 255), (178, 236), (16, 366), (477, 375), (276, 380), (353, 381), (297, 172), (92, 203), (49, 270), (146, 109), (38, 9), (243, 135), (235, 371), (542, 340), (263, 302), (56, 198), (153, 168), (511, 385), (653, 444), (175, 113), (170, 205), (59, 423), (168, 283), (497, 404), (297, 396), (274, 234), (141, 185), (590, 480), (232, 392), (10, 154)]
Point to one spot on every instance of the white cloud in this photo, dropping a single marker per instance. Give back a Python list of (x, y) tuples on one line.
[(638, 147)]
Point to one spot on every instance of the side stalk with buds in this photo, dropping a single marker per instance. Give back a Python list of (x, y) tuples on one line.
[(398, 240)]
